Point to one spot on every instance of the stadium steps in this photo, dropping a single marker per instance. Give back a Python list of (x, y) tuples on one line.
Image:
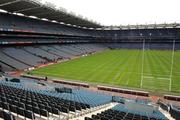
[(94, 111), (17, 59)]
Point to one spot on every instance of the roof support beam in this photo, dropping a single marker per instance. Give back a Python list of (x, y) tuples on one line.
[(18, 11), (10, 2)]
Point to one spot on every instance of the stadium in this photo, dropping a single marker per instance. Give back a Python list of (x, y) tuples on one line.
[(55, 65)]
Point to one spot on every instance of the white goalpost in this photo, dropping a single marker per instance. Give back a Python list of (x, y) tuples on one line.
[(159, 78), (142, 69), (172, 63)]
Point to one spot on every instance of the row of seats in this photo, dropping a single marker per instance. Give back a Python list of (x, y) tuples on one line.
[(136, 45), (118, 115), (19, 111), (6, 116), (174, 112), (163, 105), (122, 112), (91, 98), (154, 114), (27, 103), (9, 21), (21, 58)]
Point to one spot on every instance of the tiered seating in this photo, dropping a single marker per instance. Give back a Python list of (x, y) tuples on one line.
[(34, 99), (41, 53), (60, 49), (156, 114), (93, 99), (8, 21), (59, 52), (69, 50), (52, 51), (120, 113), (163, 105), (139, 45), (175, 112), (24, 56), (5, 67), (75, 50), (12, 62), (21, 58), (28, 104), (116, 115), (6, 116)]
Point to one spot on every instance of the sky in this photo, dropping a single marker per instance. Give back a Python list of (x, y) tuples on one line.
[(124, 12)]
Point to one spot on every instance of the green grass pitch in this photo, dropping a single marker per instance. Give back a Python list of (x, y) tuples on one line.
[(121, 68)]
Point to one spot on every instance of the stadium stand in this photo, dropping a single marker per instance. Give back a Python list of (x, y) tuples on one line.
[(40, 53), (24, 57), (29, 42), (18, 23), (5, 67), (120, 112), (32, 99), (27, 95), (175, 112), (6, 116), (12, 63), (173, 109)]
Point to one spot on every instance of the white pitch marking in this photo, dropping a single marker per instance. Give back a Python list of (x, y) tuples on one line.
[(163, 78), (148, 77)]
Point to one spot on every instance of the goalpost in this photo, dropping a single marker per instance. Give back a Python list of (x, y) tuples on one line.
[(142, 69), (172, 63)]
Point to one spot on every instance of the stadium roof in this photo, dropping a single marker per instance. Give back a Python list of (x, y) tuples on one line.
[(148, 26), (47, 11)]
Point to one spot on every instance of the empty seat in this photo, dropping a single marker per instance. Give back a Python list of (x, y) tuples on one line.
[(29, 114), (13, 108), (55, 111), (44, 113), (29, 107), (8, 116), (20, 111), (36, 110), (5, 106)]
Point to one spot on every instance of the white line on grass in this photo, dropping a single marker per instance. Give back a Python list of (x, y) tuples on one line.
[(147, 77), (163, 78)]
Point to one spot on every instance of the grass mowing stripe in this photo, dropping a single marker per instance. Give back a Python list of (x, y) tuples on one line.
[(120, 68)]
